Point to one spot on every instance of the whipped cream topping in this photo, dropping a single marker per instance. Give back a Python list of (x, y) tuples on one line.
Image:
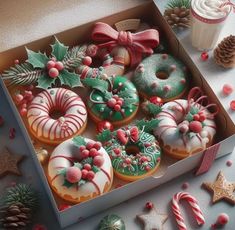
[(211, 9)]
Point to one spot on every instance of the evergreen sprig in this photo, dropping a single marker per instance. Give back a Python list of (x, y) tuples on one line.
[(178, 3)]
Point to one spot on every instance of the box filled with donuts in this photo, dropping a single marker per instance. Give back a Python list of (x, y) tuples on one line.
[(113, 108)]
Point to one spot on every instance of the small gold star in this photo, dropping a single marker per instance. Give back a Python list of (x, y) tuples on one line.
[(222, 189), (9, 163)]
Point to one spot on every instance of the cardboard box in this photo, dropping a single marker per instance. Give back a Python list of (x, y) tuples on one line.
[(169, 168)]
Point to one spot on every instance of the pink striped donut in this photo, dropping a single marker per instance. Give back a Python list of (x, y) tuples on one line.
[(55, 130)]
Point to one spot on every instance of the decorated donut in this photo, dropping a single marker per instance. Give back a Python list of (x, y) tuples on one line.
[(42, 115), (186, 126), (161, 75), (114, 99), (113, 63), (134, 153), (80, 169)]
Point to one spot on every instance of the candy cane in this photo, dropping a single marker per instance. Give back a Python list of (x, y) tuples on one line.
[(194, 205)]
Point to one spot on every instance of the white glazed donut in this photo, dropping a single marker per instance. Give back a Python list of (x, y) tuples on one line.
[(54, 131), (183, 132), (66, 155)]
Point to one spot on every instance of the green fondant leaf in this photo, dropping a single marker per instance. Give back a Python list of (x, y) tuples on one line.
[(67, 184), (78, 141), (128, 102), (104, 136), (37, 60), (45, 81), (59, 50), (69, 79), (147, 125), (88, 160), (191, 135), (125, 93), (107, 95), (96, 83), (62, 171), (189, 117), (203, 124), (78, 165), (95, 169), (81, 182), (194, 110), (153, 109)]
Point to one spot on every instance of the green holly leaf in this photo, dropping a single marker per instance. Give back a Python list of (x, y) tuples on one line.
[(194, 110), (37, 60), (191, 135), (147, 125), (88, 160), (81, 182), (95, 169), (128, 102), (78, 141), (59, 50), (153, 109), (189, 117), (62, 171), (107, 95), (70, 79), (96, 83), (125, 93), (67, 184), (45, 82), (104, 136), (78, 165)]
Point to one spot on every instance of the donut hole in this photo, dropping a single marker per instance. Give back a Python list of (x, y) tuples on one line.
[(132, 150), (56, 113), (162, 75)]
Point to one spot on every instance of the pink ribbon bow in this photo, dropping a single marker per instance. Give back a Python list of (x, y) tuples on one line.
[(136, 43), (124, 135)]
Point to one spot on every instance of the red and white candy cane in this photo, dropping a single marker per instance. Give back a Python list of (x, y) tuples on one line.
[(194, 205)]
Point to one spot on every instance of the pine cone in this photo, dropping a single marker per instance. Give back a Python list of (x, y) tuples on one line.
[(178, 17), (224, 54), (16, 216)]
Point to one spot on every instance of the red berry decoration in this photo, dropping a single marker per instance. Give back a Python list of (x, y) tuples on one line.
[(204, 56), (222, 219), (93, 152), (73, 174), (227, 89), (117, 151), (111, 102), (19, 98), (202, 117), (104, 125), (195, 126), (149, 205), (23, 112), (16, 62), (50, 64), (97, 145), (232, 105), (53, 72), (117, 107), (59, 65), (85, 153), (82, 147), (87, 167), (156, 100), (87, 61), (84, 174), (90, 145), (196, 117), (98, 161), (62, 207), (90, 175)]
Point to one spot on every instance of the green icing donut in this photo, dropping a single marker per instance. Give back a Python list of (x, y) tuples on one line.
[(120, 101), (161, 75), (133, 164)]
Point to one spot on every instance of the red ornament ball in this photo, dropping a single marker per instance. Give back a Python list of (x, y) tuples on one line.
[(232, 105), (149, 205), (53, 72), (204, 56), (59, 65), (87, 61), (227, 89), (222, 219), (104, 125), (156, 100), (195, 126), (73, 174)]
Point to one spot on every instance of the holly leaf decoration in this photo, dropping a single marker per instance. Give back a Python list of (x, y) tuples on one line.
[(128, 102), (153, 109), (62, 171), (95, 169), (59, 50), (78, 141), (78, 165), (107, 95), (37, 60), (96, 83), (67, 184), (189, 117), (81, 182), (45, 82), (147, 125), (70, 79), (88, 160), (104, 136), (125, 93), (194, 110)]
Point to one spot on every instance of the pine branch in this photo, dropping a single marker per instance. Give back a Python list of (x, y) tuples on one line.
[(178, 3), (23, 74), (74, 57)]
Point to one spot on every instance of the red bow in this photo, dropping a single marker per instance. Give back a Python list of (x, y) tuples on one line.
[(136, 43), (124, 135)]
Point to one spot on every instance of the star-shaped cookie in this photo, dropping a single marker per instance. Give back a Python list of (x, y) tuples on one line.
[(153, 220), (222, 189), (9, 162)]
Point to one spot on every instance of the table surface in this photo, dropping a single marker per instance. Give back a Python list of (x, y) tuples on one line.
[(49, 18)]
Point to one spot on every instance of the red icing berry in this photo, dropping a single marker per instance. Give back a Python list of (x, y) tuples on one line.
[(16, 62), (85, 153), (147, 167), (229, 163), (227, 89), (90, 175), (81, 148), (115, 96), (50, 64), (232, 105), (59, 65), (202, 117), (147, 145), (128, 161), (23, 112), (19, 98), (62, 207), (222, 219), (156, 100), (143, 159), (87, 167), (93, 152), (184, 128), (120, 102), (1, 121), (27, 93), (111, 102), (117, 151), (195, 126), (104, 125), (196, 117), (204, 56), (73, 174), (84, 173), (149, 205), (117, 107), (89, 145), (53, 72), (30, 87), (98, 161), (97, 145), (87, 61)]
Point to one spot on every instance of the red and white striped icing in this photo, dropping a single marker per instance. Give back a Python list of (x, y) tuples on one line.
[(64, 156), (168, 131), (66, 101)]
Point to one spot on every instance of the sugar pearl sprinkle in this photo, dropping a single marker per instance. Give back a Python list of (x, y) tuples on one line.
[(227, 89), (229, 163)]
